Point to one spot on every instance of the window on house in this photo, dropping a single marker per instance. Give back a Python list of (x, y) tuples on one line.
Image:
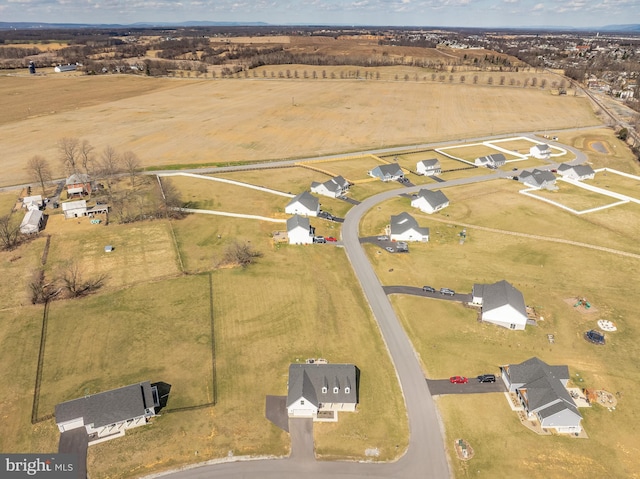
[(347, 390), (302, 402), (324, 390), (335, 390), (513, 326)]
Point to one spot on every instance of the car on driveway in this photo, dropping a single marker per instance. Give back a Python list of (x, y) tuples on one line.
[(458, 380), (331, 239), (447, 291), (319, 239), (383, 238), (428, 289), (390, 249), (487, 378)]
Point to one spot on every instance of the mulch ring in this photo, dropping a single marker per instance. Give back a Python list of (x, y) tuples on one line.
[(463, 450), (604, 398)]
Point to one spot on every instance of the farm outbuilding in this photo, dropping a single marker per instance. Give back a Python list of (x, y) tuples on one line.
[(32, 202), (74, 209), (32, 222)]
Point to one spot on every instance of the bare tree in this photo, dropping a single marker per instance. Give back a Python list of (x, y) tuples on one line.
[(170, 200), (10, 235), (240, 254), (39, 171), (86, 156), (42, 291), (109, 167), (77, 285), (69, 149), (131, 164)]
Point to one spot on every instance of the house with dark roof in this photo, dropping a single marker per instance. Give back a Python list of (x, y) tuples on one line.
[(576, 172), (334, 188), (540, 151), (491, 161), (109, 413), (542, 392), (429, 201), (303, 204), (78, 184), (388, 172), (404, 227), (502, 304), (428, 167), (322, 390), (299, 230), (537, 178)]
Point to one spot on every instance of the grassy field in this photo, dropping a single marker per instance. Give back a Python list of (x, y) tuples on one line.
[(18, 270), (450, 341), (249, 115), (471, 152), (8, 201), (353, 169), (575, 197), (521, 164), (288, 180), (617, 183)]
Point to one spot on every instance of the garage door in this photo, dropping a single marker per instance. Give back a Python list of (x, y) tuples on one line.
[(302, 413)]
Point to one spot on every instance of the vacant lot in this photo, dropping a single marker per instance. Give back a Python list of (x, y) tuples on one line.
[(202, 121), (353, 169), (617, 183), (288, 180), (574, 197)]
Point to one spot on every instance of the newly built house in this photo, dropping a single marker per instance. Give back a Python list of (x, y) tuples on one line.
[(109, 413), (502, 304), (32, 222), (537, 178), (428, 167), (542, 392), (540, 151), (491, 161), (389, 172), (334, 188), (404, 227), (322, 390), (576, 172), (303, 204), (429, 201), (299, 230)]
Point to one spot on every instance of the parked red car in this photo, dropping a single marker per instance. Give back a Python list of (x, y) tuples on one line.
[(458, 380), (332, 239)]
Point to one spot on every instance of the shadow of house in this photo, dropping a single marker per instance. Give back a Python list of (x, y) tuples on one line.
[(163, 394)]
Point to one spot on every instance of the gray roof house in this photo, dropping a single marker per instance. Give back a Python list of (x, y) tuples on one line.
[(429, 201), (576, 172), (502, 304), (428, 167), (299, 230), (491, 161), (404, 227), (388, 172), (78, 184), (537, 178), (303, 204), (541, 151), (322, 390), (334, 187), (542, 391), (109, 413)]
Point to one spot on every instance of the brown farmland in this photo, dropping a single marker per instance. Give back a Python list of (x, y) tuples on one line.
[(172, 121)]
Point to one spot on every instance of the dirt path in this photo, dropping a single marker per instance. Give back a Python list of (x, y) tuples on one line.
[(542, 238)]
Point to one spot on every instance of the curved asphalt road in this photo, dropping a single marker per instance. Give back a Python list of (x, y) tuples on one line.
[(426, 456)]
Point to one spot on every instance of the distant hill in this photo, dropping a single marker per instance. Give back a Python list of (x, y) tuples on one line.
[(47, 26), (631, 28)]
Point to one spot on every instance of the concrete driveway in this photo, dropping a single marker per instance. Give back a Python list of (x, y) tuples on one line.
[(301, 431)]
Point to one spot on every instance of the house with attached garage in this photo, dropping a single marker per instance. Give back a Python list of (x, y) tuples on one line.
[(389, 172), (540, 151), (428, 167), (542, 392), (429, 201), (404, 227), (334, 188), (537, 178), (299, 231), (501, 304), (576, 172), (109, 414), (303, 204), (491, 161), (321, 391)]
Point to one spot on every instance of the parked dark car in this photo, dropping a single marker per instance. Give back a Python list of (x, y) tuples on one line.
[(487, 378), (319, 239), (428, 289), (447, 291)]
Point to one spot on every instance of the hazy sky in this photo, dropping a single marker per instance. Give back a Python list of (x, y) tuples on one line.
[(481, 13)]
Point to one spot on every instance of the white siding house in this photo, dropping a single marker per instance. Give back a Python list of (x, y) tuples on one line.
[(299, 230), (74, 209), (303, 204), (32, 222), (32, 202), (540, 151), (429, 201), (389, 172), (109, 413), (428, 167), (491, 161), (537, 178), (334, 188), (315, 388), (542, 392), (576, 172), (404, 227), (502, 304)]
